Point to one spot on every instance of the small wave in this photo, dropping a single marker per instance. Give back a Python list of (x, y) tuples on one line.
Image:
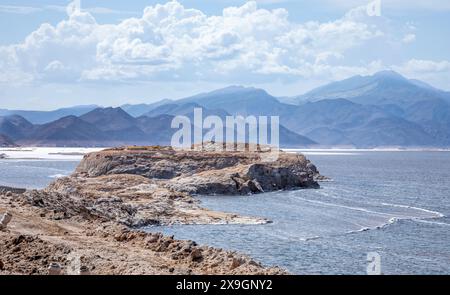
[(359, 230), (344, 207), (381, 226), (438, 214), (311, 238), (329, 154), (435, 214)]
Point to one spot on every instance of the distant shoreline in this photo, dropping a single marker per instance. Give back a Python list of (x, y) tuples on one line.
[(77, 153), (369, 149), (46, 153)]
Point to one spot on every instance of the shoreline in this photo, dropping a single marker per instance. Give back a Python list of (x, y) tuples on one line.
[(36, 238), (77, 153), (113, 193)]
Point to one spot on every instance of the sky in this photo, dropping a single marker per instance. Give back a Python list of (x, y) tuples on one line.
[(112, 52)]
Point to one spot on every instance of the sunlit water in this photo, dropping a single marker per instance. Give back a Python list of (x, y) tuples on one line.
[(33, 174), (393, 203), (36, 167)]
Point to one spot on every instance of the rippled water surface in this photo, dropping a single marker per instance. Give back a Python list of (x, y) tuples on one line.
[(32, 174), (36, 167), (393, 203)]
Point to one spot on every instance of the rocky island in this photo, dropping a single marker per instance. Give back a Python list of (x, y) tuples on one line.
[(95, 214)]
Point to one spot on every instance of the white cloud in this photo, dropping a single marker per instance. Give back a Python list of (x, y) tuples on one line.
[(55, 66), (426, 66), (409, 38), (172, 43), (436, 73)]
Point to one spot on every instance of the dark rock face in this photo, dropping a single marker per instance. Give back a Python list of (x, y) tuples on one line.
[(275, 178)]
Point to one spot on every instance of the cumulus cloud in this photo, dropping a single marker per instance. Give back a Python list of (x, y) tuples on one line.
[(171, 42), (426, 66), (435, 72)]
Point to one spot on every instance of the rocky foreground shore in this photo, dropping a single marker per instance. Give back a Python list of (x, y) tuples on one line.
[(94, 214)]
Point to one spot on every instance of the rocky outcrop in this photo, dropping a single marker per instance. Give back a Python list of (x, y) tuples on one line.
[(34, 240), (131, 200), (140, 186), (204, 172), (244, 179)]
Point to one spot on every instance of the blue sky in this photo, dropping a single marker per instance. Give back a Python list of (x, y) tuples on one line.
[(113, 52)]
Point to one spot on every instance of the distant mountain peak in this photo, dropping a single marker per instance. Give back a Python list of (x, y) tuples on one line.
[(234, 89), (67, 119), (389, 74), (382, 88), (108, 119), (238, 100), (16, 120), (110, 111)]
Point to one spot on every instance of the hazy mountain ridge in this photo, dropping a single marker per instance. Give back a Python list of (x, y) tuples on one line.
[(105, 129), (383, 110), (419, 108), (112, 126), (386, 87), (43, 117), (137, 110)]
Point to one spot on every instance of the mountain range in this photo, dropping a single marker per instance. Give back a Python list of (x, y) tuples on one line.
[(42, 117), (381, 110)]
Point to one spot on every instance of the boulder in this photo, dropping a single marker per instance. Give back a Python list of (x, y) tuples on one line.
[(5, 220)]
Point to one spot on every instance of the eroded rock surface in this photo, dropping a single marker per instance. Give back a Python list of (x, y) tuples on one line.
[(205, 172), (131, 200), (34, 239)]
